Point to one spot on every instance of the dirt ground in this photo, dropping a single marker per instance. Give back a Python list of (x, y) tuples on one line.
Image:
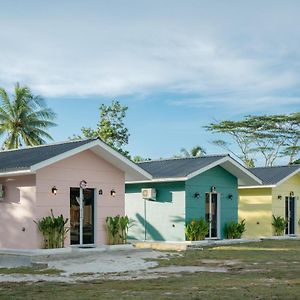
[(262, 270), (130, 264)]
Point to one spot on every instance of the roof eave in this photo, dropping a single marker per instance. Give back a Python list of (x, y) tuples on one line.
[(246, 174), (208, 167), (158, 180), (17, 173), (288, 177), (243, 187), (115, 158)]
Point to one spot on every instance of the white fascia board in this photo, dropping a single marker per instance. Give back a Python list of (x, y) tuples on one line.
[(16, 173), (132, 170), (208, 167), (288, 177), (157, 180), (243, 187), (107, 153), (244, 172), (62, 156)]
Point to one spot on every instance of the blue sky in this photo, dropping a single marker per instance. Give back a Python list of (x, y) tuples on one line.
[(178, 65)]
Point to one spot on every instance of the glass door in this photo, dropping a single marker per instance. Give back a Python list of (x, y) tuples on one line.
[(88, 216), (290, 215), (211, 214)]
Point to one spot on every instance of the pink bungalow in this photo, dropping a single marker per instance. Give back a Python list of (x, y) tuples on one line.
[(37, 179)]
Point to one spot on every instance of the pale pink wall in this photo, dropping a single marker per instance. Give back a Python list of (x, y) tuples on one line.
[(67, 173), (17, 212)]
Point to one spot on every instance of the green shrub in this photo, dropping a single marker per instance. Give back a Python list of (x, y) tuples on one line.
[(53, 231), (196, 230), (235, 230), (117, 229), (279, 224)]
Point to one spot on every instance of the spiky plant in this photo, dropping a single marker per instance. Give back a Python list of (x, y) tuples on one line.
[(279, 224), (117, 229), (53, 231)]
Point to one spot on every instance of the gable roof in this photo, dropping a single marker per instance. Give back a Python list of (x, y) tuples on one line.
[(23, 159), (179, 169), (28, 160), (275, 175)]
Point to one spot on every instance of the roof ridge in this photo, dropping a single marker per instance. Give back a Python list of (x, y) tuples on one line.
[(183, 158), (47, 145)]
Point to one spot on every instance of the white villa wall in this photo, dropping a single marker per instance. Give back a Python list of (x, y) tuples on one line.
[(169, 217)]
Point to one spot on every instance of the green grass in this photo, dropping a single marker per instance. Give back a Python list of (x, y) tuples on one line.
[(265, 270), (29, 270)]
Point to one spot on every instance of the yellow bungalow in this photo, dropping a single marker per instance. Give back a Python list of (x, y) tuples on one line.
[(279, 195)]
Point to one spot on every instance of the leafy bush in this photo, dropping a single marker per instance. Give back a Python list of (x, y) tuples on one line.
[(196, 230), (279, 224), (235, 230), (117, 229), (53, 230)]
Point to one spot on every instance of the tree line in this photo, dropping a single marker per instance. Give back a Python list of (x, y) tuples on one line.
[(25, 120)]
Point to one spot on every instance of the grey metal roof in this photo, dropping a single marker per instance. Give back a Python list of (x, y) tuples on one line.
[(178, 167), (273, 175), (23, 159)]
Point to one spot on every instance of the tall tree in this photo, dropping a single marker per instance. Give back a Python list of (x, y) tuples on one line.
[(194, 152), (110, 128), (138, 158), (24, 118), (271, 136)]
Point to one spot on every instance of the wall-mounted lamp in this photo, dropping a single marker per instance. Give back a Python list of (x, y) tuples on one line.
[(54, 190), (279, 197), (230, 196), (213, 189), (291, 194), (100, 192), (197, 195), (113, 193)]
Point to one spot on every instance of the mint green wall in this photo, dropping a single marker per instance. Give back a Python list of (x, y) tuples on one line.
[(165, 217), (225, 184)]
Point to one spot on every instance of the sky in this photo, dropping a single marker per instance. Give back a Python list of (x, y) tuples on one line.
[(177, 65)]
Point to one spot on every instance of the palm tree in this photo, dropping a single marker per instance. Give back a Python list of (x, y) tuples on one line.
[(195, 151), (24, 119)]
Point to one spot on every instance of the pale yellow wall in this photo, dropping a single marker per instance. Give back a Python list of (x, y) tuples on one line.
[(255, 206), (284, 189)]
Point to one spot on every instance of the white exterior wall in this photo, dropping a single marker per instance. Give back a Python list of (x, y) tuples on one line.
[(169, 217)]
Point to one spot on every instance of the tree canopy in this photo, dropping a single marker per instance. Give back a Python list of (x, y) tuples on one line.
[(194, 152), (110, 127), (24, 118), (270, 136)]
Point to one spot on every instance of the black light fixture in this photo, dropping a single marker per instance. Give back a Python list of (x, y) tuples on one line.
[(279, 197), (213, 189), (100, 192), (292, 194), (230, 196), (197, 195), (54, 190), (113, 193)]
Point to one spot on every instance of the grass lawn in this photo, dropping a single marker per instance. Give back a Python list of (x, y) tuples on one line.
[(265, 270)]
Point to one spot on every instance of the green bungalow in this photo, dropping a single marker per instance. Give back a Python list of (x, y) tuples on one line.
[(182, 190)]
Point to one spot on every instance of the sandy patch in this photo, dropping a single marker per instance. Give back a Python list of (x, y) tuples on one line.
[(110, 265)]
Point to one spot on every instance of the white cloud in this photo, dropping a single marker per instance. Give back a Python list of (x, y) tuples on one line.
[(240, 57)]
